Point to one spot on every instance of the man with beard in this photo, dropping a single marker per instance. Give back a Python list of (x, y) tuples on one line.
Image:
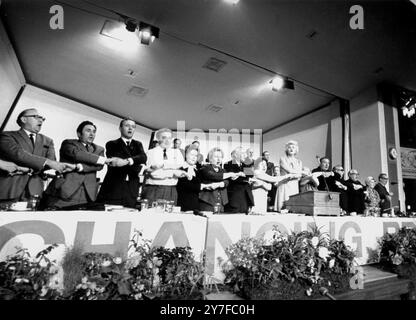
[(81, 185), (27, 148), (121, 183)]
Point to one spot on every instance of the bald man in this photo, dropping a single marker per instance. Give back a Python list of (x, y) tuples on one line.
[(27, 148)]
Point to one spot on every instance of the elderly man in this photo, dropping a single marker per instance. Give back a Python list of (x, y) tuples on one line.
[(27, 148), (240, 196), (337, 184), (121, 184), (249, 160), (163, 164), (177, 145), (385, 195), (355, 193), (80, 186)]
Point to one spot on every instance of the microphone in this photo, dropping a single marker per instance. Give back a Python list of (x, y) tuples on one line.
[(324, 291)]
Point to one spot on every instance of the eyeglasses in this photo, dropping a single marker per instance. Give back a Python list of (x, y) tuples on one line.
[(37, 117), (384, 178), (355, 173), (339, 169)]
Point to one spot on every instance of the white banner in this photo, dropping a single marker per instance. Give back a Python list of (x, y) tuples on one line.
[(111, 232)]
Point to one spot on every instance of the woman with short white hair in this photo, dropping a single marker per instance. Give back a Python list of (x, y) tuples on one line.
[(289, 164)]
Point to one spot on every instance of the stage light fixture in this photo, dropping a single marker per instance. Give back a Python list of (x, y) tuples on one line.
[(280, 83), (131, 25), (147, 33)]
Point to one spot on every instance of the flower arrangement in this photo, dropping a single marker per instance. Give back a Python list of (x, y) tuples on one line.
[(289, 266), (398, 254), (25, 277), (147, 273)]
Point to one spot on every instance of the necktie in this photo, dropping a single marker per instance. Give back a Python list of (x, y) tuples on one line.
[(32, 138), (128, 144), (165, 156), (89, 148)]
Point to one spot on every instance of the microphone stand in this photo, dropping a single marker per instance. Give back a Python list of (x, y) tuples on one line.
[(324, 291)]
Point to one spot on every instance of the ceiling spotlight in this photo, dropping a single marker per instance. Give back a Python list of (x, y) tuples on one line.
[(147, 33), (280, 83), (131, 25)]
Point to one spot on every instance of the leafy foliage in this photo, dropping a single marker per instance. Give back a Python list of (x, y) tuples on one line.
[(24, 277), (289, 263)]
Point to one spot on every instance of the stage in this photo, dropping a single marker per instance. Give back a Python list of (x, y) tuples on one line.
[(111, 231)]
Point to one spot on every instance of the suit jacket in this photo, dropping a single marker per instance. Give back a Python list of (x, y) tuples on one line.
[(324, 183), (270, 168), (382, 190), (74, 151), (240, 196), (209, 175), (188, 191), (355, 197), (112, 189), (16, 146)]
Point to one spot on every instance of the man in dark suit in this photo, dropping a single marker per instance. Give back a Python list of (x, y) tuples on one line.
[(270, 170), (27, 148), (240, 197), (385, 195), (121, 184), (324, 167), (80, 186), (355, 192)]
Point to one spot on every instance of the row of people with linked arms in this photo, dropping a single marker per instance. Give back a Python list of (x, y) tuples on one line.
[(371, 199), (27, 157), (241, 185)]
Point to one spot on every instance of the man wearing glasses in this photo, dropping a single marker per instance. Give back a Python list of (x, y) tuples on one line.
[(27, 148), (337, 183), (355, 193), (385, 195)]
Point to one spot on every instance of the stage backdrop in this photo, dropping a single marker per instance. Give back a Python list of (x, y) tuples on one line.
[(64, 115), (110, 232)]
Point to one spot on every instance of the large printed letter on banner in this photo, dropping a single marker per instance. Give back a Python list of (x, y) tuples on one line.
[(174, 229), (50, 232), (85, 230)]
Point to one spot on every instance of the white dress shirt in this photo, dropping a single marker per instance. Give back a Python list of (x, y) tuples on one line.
[(164, 174)]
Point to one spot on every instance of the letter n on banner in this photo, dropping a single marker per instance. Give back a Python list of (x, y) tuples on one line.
[(215, 232), (50, 232), (85, 230), (174, 229)]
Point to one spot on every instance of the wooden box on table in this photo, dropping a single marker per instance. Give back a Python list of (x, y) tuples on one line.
[(315, 203)]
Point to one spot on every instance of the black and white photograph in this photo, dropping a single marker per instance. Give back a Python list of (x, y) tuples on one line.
[(202, 155)]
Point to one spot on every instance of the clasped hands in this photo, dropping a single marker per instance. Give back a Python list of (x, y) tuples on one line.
[(13, 169), (117, 162)]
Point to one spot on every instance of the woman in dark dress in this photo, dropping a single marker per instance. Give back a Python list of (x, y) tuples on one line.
[(188, 187), (214, 173)]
